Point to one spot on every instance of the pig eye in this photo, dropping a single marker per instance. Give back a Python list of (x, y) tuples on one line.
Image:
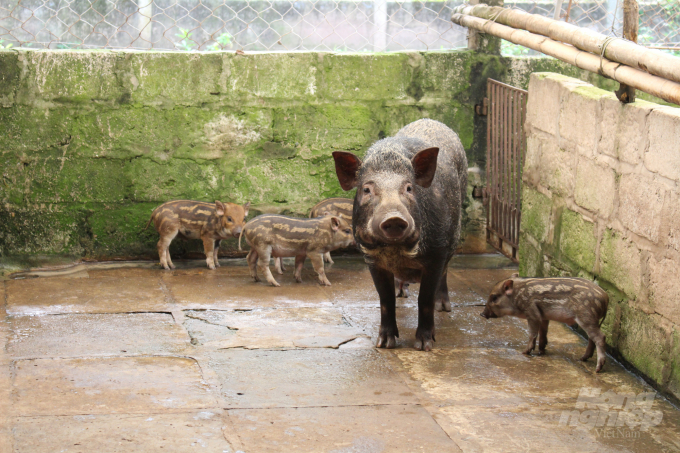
[(409, 188), (229, 219), (348, 231), (367, 190)]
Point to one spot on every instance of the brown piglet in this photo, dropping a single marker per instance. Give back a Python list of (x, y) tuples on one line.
[(541, 300), (280, 236), (197, 220)]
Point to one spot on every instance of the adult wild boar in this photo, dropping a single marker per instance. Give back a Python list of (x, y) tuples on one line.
[(406, 217)]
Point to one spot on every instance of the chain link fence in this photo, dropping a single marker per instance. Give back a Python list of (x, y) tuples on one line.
[(249, 25), (319, 25)]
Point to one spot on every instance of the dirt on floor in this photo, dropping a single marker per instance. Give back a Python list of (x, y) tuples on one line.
[(127, 357)]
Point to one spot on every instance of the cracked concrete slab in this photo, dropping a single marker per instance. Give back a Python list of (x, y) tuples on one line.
[(305, 327), (512, 393), (109, 386), (176, 433), (38, 296), (102, 363), (365, 429), (307, 377), (83, 335)]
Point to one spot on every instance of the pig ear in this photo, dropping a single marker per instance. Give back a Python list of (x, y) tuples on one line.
[(246, 208), (425, 165), (325, 213), (515, 275), (335, 223), (220, 209), (346, 167), (507, 287)]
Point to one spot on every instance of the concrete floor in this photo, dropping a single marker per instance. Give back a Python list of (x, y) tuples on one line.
[(131, 358)]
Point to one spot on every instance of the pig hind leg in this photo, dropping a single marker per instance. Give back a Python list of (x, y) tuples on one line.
[(263, 265), (589, 350), (278, 265), (252, 264), (441, 299), (543, 336), (164, 248), (596, 336), (299, 263), (327, 258), (384, 284), (317, 263)]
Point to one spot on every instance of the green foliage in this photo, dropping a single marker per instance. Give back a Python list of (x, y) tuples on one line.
[(222, 42), (515, 50), (5, 46), (185, 43)]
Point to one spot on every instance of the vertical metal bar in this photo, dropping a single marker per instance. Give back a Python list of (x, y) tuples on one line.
[(506, 179), (494, 186), (489, 122)]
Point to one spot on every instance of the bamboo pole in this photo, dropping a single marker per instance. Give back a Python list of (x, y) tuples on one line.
[(657, 86), (618, 50), (631, 21)]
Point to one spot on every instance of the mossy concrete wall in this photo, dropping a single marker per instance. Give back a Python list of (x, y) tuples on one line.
[(91, 142), (601, 199)]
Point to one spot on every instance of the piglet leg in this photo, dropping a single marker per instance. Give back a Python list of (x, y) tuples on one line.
[(317, 263), (209, 248), (543, 336)]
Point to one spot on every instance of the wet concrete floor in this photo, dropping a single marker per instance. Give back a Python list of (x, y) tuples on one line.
[(127, 357)]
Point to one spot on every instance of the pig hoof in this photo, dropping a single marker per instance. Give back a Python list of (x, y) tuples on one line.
[(217, 264), (599, 367), (387, 341), (274, 283), (584, 358), (403, 294), (527, 352), (541, 352), (442, 306), (172, 266), (423, 346)]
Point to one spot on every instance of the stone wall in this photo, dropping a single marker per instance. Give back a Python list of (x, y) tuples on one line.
[(601, 199), (91, 142)]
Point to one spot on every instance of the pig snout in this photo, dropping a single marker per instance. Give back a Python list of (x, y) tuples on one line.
[(393, 226), (487, 314), (236, 232)]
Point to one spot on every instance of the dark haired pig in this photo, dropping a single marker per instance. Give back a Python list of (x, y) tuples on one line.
[(406, 217), (541, 300), (339, 207), (280, 236), (197, 220)]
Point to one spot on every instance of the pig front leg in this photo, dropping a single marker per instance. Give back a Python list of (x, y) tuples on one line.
[(429, 287), (441, 301), (327, 258), (534, 320), (209, 248), (216, 253), (384, 284), (317, 263)]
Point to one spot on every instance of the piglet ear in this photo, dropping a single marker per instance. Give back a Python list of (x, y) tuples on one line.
[(515, 275), (335, 223), (425, 165), (246, 208), (346, 167), (220, 209), (508, 287)]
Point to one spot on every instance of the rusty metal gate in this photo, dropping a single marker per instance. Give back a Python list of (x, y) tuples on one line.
[(505, 107)]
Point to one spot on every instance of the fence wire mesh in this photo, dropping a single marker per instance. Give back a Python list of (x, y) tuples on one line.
[(285, 25), (255, 25)]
